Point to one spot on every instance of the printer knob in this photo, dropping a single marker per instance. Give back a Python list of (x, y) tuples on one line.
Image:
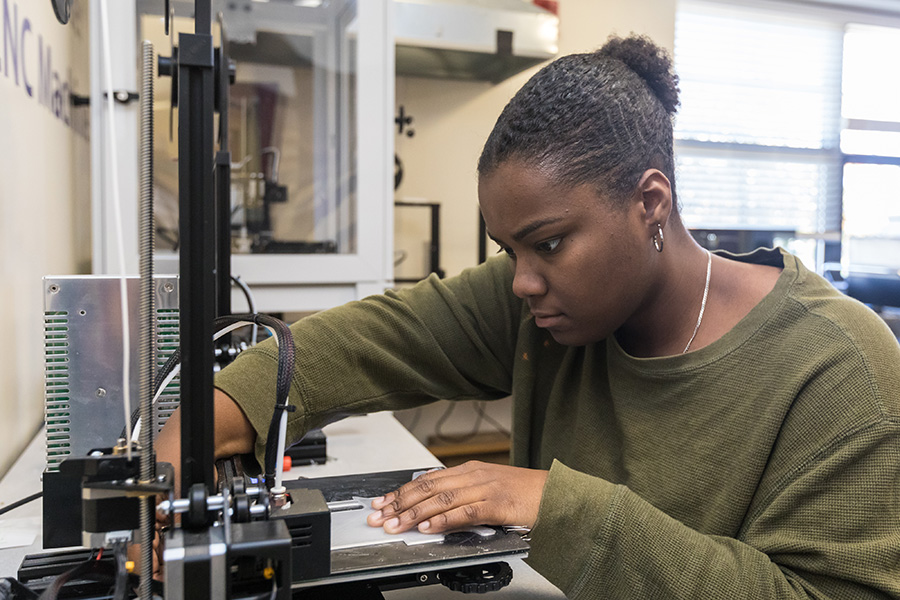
[(478, 579)]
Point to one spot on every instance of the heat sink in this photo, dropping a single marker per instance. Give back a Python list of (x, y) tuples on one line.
[(83, 397)]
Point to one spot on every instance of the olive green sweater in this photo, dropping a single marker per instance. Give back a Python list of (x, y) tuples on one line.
[(765, 465)]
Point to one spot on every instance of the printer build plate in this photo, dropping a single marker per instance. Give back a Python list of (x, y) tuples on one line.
[(384, 560)]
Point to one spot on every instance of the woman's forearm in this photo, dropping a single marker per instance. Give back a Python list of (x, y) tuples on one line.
[(233, 434)]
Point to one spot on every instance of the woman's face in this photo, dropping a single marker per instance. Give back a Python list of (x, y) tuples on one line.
[(582, 264)]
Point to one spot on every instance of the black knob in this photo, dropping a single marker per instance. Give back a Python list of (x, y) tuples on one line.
[(241, 509), (166, 66), (479, 579), (196, 515)]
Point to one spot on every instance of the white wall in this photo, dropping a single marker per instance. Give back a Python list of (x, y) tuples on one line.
[(451, 121), (44, 194)]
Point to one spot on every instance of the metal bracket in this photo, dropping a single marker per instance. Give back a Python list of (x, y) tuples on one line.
[(123, 96)]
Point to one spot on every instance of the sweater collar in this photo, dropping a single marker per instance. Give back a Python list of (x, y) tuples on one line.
[(793, 272)]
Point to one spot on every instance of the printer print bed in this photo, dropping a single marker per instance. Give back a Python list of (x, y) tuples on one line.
[(373, 549)]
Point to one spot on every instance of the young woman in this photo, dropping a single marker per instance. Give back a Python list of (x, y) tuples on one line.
[(685, 425)]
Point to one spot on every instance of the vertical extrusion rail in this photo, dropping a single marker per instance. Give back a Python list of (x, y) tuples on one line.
[(197, 261), (223, 180), (147, 316), (223, 237)]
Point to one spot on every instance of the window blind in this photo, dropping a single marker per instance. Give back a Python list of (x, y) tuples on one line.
[(758, 131), (870, 91)]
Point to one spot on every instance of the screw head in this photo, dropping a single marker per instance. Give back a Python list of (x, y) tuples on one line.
[(101, 392)]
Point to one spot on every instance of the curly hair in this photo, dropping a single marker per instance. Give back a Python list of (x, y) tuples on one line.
[(601, 118)]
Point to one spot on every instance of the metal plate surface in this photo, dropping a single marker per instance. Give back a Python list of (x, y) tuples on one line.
[(84, 399), (384, 560)]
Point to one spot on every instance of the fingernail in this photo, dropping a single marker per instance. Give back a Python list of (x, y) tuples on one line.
[(424, 525), (376, 516), (392, 524), (378, 502)]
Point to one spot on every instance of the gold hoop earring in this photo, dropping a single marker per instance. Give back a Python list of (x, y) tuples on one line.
[(658, 238)]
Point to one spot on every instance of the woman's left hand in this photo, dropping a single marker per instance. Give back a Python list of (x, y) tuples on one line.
[(474, 493)]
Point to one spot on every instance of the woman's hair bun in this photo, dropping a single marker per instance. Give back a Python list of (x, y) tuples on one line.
[(651, 62)]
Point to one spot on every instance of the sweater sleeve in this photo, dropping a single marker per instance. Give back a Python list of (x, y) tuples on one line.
[(830, 531), (442, 339)]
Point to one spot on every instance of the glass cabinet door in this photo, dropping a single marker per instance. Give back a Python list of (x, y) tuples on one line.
[(309, 128), (292, 124)]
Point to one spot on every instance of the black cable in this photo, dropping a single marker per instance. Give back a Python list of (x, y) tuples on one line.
[(240, 283), (91, 570), (167, 368), (94, 570), (479, 406), (286, 353), (481, 416), (161, 375), (251, 305), (454, 439), (285, 374), (12, 589), (19, 503)]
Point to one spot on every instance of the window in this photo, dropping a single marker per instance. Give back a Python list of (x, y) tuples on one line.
[(787, 122), (871, 145)]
